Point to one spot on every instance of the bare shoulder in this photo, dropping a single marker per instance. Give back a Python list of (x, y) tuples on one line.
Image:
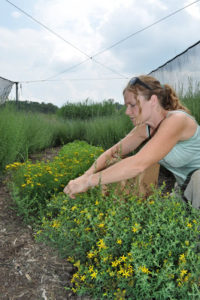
[(173, 129), (183, 123), (180, 115)]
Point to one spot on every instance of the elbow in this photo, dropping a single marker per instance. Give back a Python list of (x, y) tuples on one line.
[(141, 166)]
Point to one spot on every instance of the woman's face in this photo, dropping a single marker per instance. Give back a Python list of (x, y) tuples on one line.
[(137, 112)]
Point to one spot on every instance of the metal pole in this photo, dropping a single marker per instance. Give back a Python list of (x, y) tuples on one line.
[(17, 92)]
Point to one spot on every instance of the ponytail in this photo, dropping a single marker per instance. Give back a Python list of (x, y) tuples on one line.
[(170, 100)]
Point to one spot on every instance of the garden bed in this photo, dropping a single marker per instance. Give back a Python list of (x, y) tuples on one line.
[(31, 270)]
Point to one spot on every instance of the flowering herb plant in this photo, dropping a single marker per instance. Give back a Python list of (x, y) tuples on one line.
[(122, 246)]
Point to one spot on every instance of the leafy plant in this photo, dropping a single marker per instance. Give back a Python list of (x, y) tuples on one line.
[(127, 248), (34, 184)]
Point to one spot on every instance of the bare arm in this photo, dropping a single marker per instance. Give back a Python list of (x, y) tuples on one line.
[(170, 132), (128, 144)]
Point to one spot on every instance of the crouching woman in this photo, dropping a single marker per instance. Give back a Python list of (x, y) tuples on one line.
[(172, 138)]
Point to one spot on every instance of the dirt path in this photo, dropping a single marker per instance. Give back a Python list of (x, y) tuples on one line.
[(31, 271), (28, 270)]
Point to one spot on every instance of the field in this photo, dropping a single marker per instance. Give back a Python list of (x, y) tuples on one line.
[(121, 246)]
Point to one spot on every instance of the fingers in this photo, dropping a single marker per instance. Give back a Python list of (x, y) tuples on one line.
[(67, 189), (68, 192), (76, 186)]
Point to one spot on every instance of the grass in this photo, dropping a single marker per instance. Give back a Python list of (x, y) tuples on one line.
[(25, 133)]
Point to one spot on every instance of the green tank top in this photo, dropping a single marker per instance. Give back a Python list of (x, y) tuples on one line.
[(184, 157)]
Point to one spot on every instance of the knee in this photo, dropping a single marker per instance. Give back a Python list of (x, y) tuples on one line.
[(195, 178)]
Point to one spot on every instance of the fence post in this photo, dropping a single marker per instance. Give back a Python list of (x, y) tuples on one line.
[(17, 94)]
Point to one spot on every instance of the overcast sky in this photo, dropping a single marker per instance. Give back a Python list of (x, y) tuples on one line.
[(29, 52)]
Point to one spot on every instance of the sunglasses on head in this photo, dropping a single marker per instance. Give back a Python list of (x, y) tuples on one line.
[(136, 80)]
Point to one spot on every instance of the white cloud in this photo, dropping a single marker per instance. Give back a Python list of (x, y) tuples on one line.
[(16, 14), (194, 11), (91, 25)]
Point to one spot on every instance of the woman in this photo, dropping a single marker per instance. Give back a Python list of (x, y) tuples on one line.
[(173, 140)]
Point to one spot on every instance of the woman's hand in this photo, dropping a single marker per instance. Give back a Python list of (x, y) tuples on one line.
[(78, 185)]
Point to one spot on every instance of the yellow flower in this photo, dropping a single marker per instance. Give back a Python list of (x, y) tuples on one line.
[(151, 202), (144, 270), (119, 241), (90, 254), (182, 258), (183, 272), (87, 229), (83, 278), (91, 269), (130, 268), (77, 264), (74, 207), (120, 271), (56, 224), (70, 259), (115, 263), (189, 225), (94, 274), (101, 244), (186, 278), (179, 284), (101, 225), (112, 274), (75, 275), (105, 259), (77, 221), (123, 258), (126, 273), (134, 229)]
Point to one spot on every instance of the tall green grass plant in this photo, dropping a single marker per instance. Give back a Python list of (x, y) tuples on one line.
[(88, 109), (24, 133), (192, 102)]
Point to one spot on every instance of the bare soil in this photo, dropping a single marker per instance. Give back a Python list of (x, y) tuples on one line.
[(28, 270)]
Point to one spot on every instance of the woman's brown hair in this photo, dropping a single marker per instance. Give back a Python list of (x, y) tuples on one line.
[(166, 94)]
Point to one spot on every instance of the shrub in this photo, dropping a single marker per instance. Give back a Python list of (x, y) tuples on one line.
[(127, 249), (34, 184)]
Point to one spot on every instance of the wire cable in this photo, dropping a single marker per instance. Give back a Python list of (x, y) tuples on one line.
[(143, 29), (47, 28), (73, 79), (64, 40), (102, 51), (129, 36)]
